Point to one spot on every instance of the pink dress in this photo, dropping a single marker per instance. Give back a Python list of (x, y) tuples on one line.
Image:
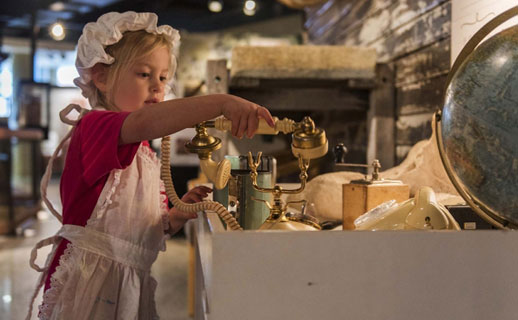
[(104, 270)]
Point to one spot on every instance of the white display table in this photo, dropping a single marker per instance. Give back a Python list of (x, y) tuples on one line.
[(353, 274)]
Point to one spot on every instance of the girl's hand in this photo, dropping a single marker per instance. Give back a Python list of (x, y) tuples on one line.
[(178, 218), (244, 115)]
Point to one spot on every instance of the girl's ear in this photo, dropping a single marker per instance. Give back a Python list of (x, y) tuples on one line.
[(100, 76)]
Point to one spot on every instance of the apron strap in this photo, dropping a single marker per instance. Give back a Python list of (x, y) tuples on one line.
[(63, 115)]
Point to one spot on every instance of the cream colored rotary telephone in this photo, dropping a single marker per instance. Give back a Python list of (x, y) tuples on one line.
[(308, 142)]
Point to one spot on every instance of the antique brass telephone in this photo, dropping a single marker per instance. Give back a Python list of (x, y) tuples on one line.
[(308, 142)]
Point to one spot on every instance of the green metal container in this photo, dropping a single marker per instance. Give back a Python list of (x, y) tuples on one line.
[(238, 195)]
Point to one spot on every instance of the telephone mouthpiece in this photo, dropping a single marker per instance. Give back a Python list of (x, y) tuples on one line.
[(218, 173), (222, 174)]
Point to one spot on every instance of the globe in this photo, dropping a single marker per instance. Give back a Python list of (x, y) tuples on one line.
[(479, 124)]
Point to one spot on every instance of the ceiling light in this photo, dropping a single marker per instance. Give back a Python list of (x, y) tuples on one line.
[(249, 7), (215, 5), (57, 31)]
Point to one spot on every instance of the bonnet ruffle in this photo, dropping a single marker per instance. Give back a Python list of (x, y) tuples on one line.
[(107, 30)]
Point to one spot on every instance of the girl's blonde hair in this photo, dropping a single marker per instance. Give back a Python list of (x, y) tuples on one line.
[(133, 46)]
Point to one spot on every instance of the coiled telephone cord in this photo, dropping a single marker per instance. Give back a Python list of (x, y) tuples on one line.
[(165, 174)]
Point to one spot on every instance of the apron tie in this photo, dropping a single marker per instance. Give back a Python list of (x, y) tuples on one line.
[(44, 271), (63, 115), (34, 252)]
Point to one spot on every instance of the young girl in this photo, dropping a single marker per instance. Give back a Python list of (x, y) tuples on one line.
[(114, 209)]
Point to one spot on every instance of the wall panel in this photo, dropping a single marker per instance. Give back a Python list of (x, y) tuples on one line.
[(413, 36)]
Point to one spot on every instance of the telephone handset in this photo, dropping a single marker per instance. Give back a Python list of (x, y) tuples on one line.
[(308, 142), (203, 144)]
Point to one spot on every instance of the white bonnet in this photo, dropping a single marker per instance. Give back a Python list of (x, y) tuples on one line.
[(108, 30)]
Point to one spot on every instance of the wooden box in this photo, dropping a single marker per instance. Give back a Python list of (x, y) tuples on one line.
[(359, 198)]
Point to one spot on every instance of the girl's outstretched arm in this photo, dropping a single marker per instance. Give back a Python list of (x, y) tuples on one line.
[(170, 116)]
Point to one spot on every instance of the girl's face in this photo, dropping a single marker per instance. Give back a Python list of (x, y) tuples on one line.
[(143, 84)]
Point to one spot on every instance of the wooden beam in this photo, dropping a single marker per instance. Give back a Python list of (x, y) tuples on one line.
[(217, 82), (380, 118), (320, 99), (217, 76), (430, 62), (421, 97)]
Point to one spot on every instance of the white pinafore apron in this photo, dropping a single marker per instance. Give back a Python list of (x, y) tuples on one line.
[(104, 272)]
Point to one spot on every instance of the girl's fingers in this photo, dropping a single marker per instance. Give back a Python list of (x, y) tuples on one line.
[(246, 119), (197, 194), (235, 125), (243, 123), (265, 114), (192, 198), (187, 198), (253, 123), (201, 190)]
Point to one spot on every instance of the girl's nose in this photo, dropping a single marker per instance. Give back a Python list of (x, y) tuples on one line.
[(157, 85)]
